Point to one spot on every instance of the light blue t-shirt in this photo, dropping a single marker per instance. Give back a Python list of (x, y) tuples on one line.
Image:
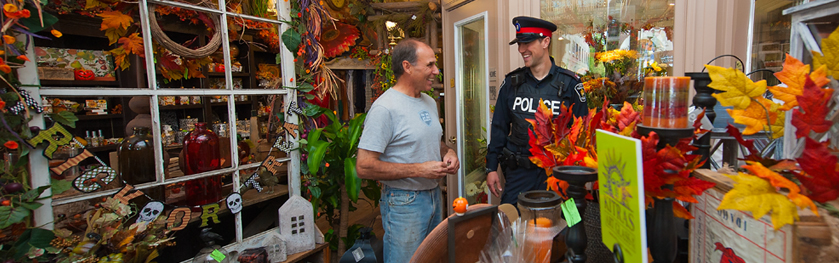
[(403, 129)]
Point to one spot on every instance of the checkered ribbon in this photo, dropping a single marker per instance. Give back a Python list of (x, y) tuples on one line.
[(285, 146), (28, 101), (252, 182), (292, 107)]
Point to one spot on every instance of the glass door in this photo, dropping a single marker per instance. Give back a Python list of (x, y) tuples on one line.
[(472, 105)]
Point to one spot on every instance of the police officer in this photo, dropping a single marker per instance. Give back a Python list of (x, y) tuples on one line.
[(518, 99)]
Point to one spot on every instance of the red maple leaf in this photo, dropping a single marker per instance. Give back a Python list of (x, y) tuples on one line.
[(821, 177), (561, 123), (541, 157), (542, 125), (688, 187), (728, 255), (813, 104)]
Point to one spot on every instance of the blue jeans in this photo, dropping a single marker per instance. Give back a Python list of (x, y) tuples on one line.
[(407, 217)]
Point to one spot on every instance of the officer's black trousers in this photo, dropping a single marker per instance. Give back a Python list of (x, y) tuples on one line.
[(521, 180)]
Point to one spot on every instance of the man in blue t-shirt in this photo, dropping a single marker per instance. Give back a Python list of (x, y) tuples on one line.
[(400, 147)]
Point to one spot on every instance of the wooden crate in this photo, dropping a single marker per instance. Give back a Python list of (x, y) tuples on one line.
[(740, 235)]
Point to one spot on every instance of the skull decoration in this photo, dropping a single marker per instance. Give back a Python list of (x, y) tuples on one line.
[(150, 211), (234, 203)]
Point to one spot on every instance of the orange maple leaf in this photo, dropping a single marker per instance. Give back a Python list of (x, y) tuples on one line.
[(756, 116), (794, 76), (133, 44), (558, 186), (680, 211), (779, 181), (115, 24)]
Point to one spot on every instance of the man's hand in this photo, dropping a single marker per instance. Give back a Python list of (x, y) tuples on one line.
[(433, 170), (494, 184), (452, 164)]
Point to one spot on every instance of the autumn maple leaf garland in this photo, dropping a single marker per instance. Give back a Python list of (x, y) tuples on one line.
[(808, 95)]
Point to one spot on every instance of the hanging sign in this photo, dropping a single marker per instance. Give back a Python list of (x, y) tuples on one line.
[(621, 179)]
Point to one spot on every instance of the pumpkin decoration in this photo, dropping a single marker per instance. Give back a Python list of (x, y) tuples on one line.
[(459, 206), (219, 67), (83, 74)]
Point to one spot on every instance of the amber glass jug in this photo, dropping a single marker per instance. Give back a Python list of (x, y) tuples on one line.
[(136, 160), (201, 154)]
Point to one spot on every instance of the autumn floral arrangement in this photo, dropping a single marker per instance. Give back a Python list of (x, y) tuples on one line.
[(618, 84), (782, 187), (554, 143)]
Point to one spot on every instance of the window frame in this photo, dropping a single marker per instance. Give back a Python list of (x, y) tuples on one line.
[(39, 164)]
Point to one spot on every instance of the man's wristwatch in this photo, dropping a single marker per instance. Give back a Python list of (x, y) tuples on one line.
[(488, 170)]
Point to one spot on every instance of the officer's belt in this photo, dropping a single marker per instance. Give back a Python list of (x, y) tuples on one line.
[(512, 160)]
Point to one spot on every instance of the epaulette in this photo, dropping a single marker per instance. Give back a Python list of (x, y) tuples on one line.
[(569, 73), (515, 71)]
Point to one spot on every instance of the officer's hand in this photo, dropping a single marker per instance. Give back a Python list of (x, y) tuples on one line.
[(452, 164), (433, 170), (494, 184)]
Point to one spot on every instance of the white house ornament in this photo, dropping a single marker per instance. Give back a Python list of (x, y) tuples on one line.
[(234, 203), (297, 225), (150, 212)]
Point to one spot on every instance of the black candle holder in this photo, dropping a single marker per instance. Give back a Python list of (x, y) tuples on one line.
[(661, 226), (703, 99), (577, 176)]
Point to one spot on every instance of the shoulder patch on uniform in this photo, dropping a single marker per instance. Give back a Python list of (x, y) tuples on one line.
[(580, 93)]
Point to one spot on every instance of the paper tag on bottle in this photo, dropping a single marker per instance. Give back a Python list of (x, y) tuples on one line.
[(572, 216), (217, 255), (358, 254)]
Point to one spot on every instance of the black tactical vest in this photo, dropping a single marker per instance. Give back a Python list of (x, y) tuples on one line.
[(558, 90)]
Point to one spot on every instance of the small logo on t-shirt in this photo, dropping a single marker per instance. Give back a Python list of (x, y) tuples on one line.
[(426, 117)]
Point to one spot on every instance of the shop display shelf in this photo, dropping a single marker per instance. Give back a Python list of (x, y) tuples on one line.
[(78, 83), (106, 148), (221, 74), (99, 117)]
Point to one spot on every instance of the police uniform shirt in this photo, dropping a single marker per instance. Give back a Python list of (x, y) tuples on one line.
[(516, 104)]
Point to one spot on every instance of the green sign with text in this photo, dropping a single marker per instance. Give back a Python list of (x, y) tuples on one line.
[(621, 180)]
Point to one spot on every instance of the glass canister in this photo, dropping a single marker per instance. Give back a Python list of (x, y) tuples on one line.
[(201, 154), (136, 160), (666, 102), (540, 214)]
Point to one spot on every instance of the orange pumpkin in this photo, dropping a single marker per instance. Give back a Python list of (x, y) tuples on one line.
[(83, 74), (459, 206)]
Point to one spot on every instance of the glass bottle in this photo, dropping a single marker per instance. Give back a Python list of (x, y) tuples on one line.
[(201, 154), (136, 160)]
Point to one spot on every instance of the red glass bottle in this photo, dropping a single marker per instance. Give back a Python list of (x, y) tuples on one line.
[(201, 154)]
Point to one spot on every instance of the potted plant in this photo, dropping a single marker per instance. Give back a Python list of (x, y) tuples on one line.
[(330, 174)]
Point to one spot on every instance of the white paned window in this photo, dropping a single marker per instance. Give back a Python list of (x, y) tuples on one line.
[(230, 99)]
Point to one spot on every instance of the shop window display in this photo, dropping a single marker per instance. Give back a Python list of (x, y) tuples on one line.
[(107, 113)]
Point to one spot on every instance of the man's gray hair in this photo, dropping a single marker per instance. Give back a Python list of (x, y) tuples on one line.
[(406, 50)]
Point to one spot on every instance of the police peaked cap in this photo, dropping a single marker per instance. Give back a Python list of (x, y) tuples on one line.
[(531, 28)]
